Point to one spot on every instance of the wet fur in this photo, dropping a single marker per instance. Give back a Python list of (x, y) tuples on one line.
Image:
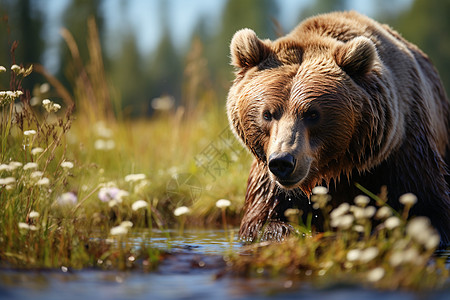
[(388, 118)]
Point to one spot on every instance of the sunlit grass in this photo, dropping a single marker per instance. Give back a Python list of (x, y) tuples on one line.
[(73, 187)]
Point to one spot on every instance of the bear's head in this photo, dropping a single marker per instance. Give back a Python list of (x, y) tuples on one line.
[(301, 105)]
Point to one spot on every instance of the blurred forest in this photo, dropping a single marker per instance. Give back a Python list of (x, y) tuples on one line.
[(198, 71)]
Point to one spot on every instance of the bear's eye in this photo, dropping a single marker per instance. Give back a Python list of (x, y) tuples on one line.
[(267, 115), (311, 116)]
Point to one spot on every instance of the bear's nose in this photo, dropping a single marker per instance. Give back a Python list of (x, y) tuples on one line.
[(281, 164)]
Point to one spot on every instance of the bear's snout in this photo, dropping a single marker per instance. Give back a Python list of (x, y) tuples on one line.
[(282, 165), (288, 170)]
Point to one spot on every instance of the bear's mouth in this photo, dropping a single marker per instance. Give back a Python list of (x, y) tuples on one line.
[(288, 184)]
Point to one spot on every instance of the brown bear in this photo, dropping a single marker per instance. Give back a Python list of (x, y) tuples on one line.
[(340, 100)]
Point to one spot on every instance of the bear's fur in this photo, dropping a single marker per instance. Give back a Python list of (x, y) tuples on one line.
[(340, 100)]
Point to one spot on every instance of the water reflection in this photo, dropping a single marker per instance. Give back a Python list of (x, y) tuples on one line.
[(211, 241), (190, 273)]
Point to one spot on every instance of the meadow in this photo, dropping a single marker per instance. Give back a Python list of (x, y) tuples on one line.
[(76, 180)]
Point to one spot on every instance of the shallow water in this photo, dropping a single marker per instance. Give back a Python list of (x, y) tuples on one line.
[(191, 273)]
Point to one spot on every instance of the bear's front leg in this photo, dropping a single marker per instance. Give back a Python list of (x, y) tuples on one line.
[(264, 208)]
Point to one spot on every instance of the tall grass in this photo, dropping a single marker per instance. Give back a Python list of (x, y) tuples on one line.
[(75, 174)]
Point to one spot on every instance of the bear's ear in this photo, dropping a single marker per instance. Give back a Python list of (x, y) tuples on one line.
[(357, 56), (247, 50)]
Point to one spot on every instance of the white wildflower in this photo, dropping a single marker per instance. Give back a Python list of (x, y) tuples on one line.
[(320, 190), (36, 150), (343, 222), (43, 181), (120, 195), (24, 226), (408, 199), (369, 211), (376, 274), (2, 69), (369, 254), (36, 174), (223, 203), (7, 180), (113, 203), (140, 186), (44, 88), (418, 229), (34, 228), (29, 132), (67, 165), (392, 222), (362, 200), (320, 197), (14, 165), (362, 213), (353, 255), (421, 231), (50, 106), (433, 241), (139, 204), (417, 226), (358, 212), (163, 103), (33, 214), (126, 224), (102, 130), (122, 229), (107, 194), (134, 177), (358, 228), (340, 210), (118, 230), (182, 210), (396, 258), (104, 144), (67, 199), (35, 101), (346, 222), (30, 165), (383, 213), (10, 95), (15, 68), (411, 255), (4, 167), (17, 94)]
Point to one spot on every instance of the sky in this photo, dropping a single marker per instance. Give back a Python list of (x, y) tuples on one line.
[(142, 17)]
